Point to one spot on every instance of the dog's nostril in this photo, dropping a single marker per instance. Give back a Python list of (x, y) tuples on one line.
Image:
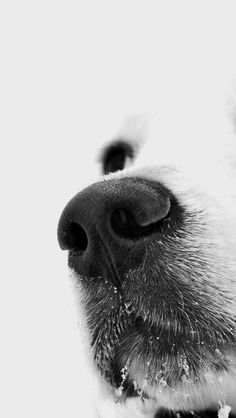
[(124, 224), (75, 238), (79, 237), (122, 219)]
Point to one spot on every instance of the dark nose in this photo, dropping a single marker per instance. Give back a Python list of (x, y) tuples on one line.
[(113, 217)]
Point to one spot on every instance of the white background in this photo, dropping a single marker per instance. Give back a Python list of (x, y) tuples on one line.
[(68, 68)]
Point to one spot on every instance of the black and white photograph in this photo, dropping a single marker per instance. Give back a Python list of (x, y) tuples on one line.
[(118, 209)]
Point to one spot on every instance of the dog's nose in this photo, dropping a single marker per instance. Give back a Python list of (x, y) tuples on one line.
[(117, 209), (116, 214)]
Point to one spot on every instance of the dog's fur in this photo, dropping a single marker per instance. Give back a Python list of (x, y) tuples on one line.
[(166, 337)]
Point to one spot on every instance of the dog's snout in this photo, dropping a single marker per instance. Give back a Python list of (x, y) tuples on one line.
[(113, 210)]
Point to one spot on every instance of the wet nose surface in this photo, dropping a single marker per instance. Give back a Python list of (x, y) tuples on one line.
[(114, 217), (125, 208)]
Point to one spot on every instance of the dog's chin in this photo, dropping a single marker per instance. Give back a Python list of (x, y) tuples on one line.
[(196, 394), (171, 354), (171, 370)]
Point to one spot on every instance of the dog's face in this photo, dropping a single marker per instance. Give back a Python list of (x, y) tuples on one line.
[(153, 246)]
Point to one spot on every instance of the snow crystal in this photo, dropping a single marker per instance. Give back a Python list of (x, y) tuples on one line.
[(224, 411)]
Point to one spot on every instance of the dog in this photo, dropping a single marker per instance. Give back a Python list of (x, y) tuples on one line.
[(152, 245)]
